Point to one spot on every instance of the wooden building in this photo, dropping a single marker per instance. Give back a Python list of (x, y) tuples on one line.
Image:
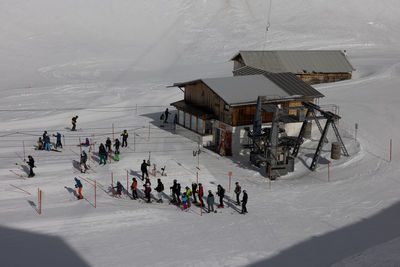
[(217, 109), (312, 66)]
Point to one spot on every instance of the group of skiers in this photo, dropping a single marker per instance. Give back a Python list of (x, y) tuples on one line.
[(105, 150), (45, 144), (188, 196)]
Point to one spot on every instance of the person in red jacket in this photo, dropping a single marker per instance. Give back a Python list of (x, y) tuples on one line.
[(134, 187), (200, 194)]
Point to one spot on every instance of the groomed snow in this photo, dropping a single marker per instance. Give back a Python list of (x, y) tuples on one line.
[(99, 59)]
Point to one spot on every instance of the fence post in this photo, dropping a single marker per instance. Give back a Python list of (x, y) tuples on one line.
[(148, 139), (95, 196), (134, 142), (112, 184), (230, 176), (329, 172), (113, 132), (355, 131), (23, 147)]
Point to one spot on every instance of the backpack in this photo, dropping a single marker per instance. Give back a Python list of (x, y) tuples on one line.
[(162, 117)]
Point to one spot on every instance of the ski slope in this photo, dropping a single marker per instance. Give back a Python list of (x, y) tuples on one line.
[(102, 59)]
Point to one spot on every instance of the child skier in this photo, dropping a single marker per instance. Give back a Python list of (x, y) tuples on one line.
[(188, 193), (83, 161), (173, 189), (119, 188), (147, 190), (40, 143), (194, 190), (184, 202), (200, 194), (79, 186)]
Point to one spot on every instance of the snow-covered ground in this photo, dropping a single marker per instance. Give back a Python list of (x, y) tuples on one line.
[(99, 59)]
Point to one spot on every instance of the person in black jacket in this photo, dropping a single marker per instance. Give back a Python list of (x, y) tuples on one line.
[(159, 189), (108, 145), (124, 138), (74, 119), (84, 158), (238, 190), (194, 190), (244, 202), (173, 189), (102, 154), (31, 163), (221, 194), (143, 168), (178, 193), (116, 145)]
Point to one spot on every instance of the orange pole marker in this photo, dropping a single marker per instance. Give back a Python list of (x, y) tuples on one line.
[(112, 184), (95, 196)]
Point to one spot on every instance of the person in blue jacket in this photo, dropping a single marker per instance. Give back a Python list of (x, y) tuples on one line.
[(79, 186), (58, 143)]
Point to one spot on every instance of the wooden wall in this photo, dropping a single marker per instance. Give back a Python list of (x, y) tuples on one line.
[(200, 95), (316, 78)]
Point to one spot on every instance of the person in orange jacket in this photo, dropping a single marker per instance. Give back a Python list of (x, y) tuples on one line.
[(79, 186), (134, 187)]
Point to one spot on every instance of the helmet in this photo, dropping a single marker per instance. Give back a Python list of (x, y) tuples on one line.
[(83, 151)]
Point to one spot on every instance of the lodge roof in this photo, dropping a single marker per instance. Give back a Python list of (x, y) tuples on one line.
[(296, 61), (240, 90)]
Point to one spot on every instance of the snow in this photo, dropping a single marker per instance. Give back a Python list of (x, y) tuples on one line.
[(99, 59)]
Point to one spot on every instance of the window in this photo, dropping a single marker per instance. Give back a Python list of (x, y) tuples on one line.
[(200, 126), (194, 123), (187, 120), (181, 116)]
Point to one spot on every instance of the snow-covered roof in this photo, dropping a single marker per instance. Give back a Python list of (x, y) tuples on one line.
[(297, 61)]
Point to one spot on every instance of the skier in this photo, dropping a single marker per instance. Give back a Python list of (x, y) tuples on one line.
[(47, 143), (116, 145), (210, 201), (79, 186), (119, 188), (124, 138), (147, 191), (184, 202), (143, 168), (178, 193), (194, 190), (200, 194), (244, 202), (58, 143), (74, 119), (31, 163), (40, 143), (188, 193), (102, 154), (159, 189), (108, 145), (238, 190), (44, 135), (134, 187), (221, 194), (173, 189), (162, 120), (86, 143), (83, 161), (175, 121), (166, 113)]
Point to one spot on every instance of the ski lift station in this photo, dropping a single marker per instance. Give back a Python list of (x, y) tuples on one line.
[(219, 112)]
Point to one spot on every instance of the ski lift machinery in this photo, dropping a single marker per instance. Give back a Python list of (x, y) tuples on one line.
[(273, 151)]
